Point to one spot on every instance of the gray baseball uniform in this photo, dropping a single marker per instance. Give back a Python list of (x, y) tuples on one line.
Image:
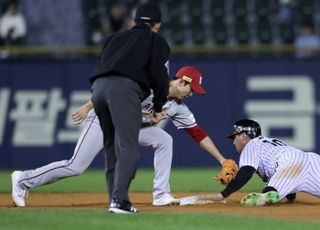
[(287, 169), (90, 144)]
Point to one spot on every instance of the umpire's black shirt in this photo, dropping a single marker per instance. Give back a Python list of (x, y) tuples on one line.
[(138, 54)]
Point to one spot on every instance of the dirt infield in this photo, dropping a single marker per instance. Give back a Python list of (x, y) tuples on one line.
[(306, 207)]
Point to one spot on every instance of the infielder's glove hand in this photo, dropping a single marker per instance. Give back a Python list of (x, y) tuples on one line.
[(228, 172)]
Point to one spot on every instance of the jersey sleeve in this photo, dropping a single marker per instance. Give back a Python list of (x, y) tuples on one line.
[(181, 116), (249, 156)]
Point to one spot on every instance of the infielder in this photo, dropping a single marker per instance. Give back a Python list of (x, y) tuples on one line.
[(188, 80), (285, 169)]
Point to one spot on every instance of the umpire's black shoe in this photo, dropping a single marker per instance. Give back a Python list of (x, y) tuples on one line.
[(121, 207)]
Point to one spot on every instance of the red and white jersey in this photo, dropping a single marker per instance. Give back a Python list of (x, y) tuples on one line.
[(177, 111)]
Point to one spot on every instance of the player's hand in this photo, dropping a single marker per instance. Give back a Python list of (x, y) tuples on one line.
[(228, 172), (217, 196), (81, 114), (157, 117)]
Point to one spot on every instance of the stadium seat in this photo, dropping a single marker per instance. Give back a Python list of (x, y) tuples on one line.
[(108, 3), (174, 15), (186, 21), (174, 9), (217, 9), (177, 33), (198, 35), (131, 3), (287, 33), (264, 32), (91, 17), (240, 9), (220, 34), (242, 33), (306, 7), (306, 10), (262, 9)]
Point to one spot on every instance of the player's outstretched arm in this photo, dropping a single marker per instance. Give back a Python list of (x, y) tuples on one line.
[(208, 145), (81, 113), (205, 142), (229, 167), (243, 176)]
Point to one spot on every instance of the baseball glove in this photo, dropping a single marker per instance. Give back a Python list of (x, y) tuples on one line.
[(228, 172)]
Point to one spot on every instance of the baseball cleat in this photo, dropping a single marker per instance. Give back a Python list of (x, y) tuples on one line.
[(122, 207), (165, 200), (260, 199), (18, 194)]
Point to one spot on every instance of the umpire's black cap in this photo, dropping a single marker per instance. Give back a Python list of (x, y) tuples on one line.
[(148, 12), (250, 127)]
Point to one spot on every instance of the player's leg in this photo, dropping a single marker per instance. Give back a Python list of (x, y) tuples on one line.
[(287, 199), (88, 146), (260, 199), (162, 143), (311, 182), (291, 173)]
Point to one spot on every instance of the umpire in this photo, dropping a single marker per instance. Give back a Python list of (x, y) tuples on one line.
[(130, 64)]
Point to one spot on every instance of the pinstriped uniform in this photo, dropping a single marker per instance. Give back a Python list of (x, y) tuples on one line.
[(283, 167)]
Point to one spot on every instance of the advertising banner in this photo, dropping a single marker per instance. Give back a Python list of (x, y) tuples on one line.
[(37, 99)]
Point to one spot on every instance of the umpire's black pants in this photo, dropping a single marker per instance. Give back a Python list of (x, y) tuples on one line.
[(117, 102)]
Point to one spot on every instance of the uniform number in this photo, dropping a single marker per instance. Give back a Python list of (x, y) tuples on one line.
[(274, 142)]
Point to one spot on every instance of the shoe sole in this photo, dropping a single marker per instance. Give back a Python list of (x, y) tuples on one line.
[(172, 203), (120, 211), (258, 199), (251, 200)]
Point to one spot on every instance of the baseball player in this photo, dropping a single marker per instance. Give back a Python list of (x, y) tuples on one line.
[(187, 81), (285, 169)]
